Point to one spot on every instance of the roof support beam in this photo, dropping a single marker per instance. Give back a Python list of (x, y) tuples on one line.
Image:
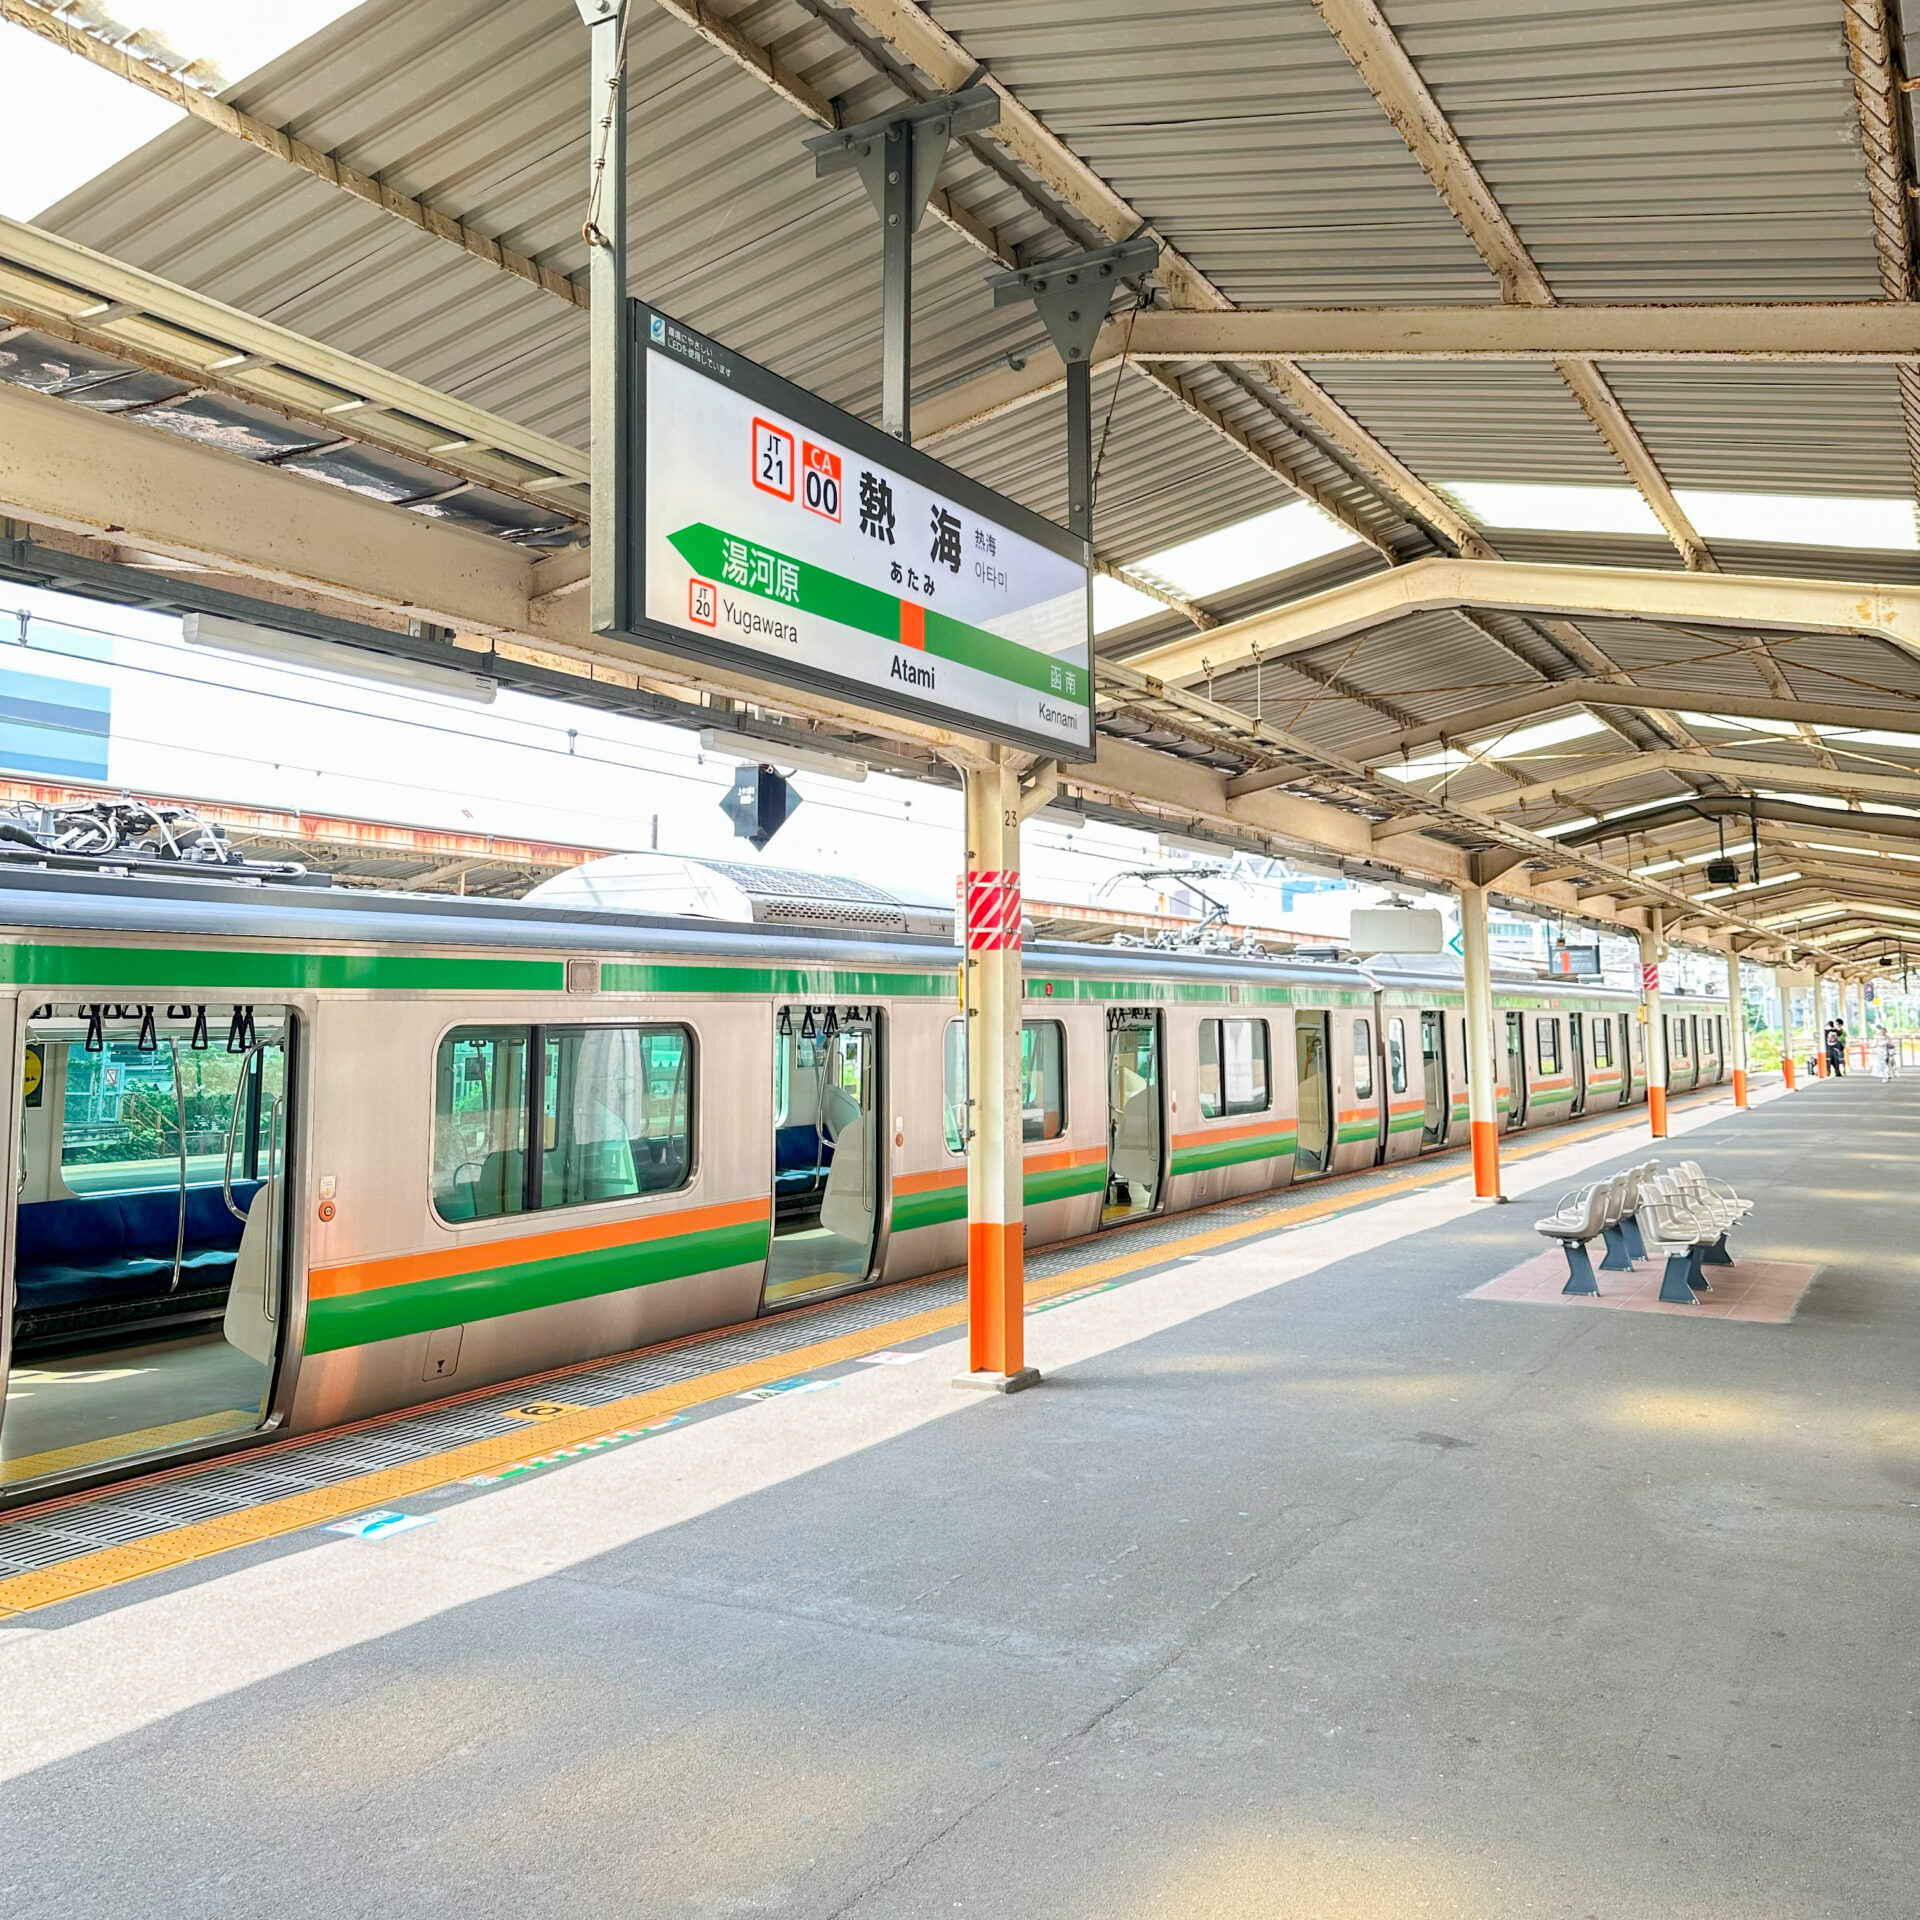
[(928, 46), (1890, 613), (1550, 698), (1382, 62), (1898, 786), (1877, 100), (1843, 332)]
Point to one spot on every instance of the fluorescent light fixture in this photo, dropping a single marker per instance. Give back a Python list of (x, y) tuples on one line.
[(1870, 522), (1567, 826), (1229, 557), (279, 648), (776, 753)]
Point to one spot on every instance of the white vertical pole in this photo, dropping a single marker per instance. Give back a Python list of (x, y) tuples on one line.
[(607, 303), (1783, 986), (1736, 1028)]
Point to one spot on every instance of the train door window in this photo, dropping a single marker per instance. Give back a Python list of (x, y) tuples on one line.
[(1135, 1129), (1632, 1049), (1233, 1068), (826, 1150), (1396, 1056), (1516, 1072), (1577, 1058), (148, 1231), (1433, 1076), (1363, 1059), (1678, 1030), (1601, 1032), (1546, 1036), (1314, 1080)]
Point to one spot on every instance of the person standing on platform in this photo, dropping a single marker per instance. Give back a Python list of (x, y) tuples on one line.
[(1836, 1049), (1887, 1057)]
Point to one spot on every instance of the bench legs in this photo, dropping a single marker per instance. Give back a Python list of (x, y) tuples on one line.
[(1681, 1277), (1579, 1269), (1619, 1257), (1630, 1232), (1717, 1254)]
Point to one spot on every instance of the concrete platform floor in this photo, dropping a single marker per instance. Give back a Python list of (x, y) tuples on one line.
[(1305, 1587)]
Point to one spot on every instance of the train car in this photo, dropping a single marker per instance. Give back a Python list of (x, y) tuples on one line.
[(287, 1158)]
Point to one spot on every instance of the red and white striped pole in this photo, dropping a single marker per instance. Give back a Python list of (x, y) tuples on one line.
[(992, 991), (1650, 943)]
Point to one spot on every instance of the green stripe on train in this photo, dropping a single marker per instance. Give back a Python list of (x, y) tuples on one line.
[(623, 976), (265, 970), (1232, 1153), (385, 1313), (941, 1206)]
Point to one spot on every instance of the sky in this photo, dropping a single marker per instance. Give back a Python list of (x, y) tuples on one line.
[(63, 120)]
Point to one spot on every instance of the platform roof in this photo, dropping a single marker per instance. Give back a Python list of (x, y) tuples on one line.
[(406, 190)]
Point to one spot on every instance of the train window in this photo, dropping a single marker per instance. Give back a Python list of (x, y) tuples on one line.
[(1546, 1035), (616, 1113), (1677, 1030), (614, 1117), (1233, 1068), (480, 1123), (1600, 1034), (1362, 1058), (1396, 1056), (1043, 1082)]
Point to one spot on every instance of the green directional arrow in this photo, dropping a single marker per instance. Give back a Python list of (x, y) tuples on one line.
[(768, 574)]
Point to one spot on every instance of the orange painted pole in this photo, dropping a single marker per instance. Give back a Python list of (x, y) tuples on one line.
[(1650, 944), (1483, 1123), (993, 989)]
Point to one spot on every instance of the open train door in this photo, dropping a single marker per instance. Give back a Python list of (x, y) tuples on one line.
[(145, 1304)]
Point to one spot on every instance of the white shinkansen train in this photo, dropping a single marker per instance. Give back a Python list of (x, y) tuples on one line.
[(286, 1158)]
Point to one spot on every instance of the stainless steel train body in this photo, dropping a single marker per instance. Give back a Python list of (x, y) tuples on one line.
[(288, 1159)]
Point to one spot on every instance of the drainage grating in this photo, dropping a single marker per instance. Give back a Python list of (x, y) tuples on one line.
[(116, 1517)]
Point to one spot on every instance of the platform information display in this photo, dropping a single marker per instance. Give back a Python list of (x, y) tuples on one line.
[(781, 537)]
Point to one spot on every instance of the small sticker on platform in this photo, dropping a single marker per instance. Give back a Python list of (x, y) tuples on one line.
[(784, 1387), (376, 1526)]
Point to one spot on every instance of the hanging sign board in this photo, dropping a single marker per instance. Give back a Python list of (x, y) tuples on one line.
[(1576, 963), (772, 534)]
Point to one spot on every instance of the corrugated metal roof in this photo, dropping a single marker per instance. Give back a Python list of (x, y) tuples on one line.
[(1693, 149)]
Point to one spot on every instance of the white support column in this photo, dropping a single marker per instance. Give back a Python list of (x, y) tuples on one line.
[(1783, 986), (1651, 943), (1483, 1114), (996, 1290), (1736, 1028)]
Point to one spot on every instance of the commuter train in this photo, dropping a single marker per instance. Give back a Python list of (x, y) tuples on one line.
[(288, 1157)]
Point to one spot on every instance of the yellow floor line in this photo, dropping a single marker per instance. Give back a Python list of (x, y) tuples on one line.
[(113, 1566), (87, 1453)]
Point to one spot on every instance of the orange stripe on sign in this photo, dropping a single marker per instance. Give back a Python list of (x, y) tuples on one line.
[(913, 625), (399, 1270)]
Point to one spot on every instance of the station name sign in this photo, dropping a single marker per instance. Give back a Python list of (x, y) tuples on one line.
[(770, 533)]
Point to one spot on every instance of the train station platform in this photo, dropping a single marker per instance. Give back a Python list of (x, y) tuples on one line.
[(1314, 1581)]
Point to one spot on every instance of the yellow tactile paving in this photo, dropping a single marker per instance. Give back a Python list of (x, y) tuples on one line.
[(30, 1466), (113, 1566)]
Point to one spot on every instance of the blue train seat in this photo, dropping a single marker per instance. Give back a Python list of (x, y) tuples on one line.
[(110, 1247)]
